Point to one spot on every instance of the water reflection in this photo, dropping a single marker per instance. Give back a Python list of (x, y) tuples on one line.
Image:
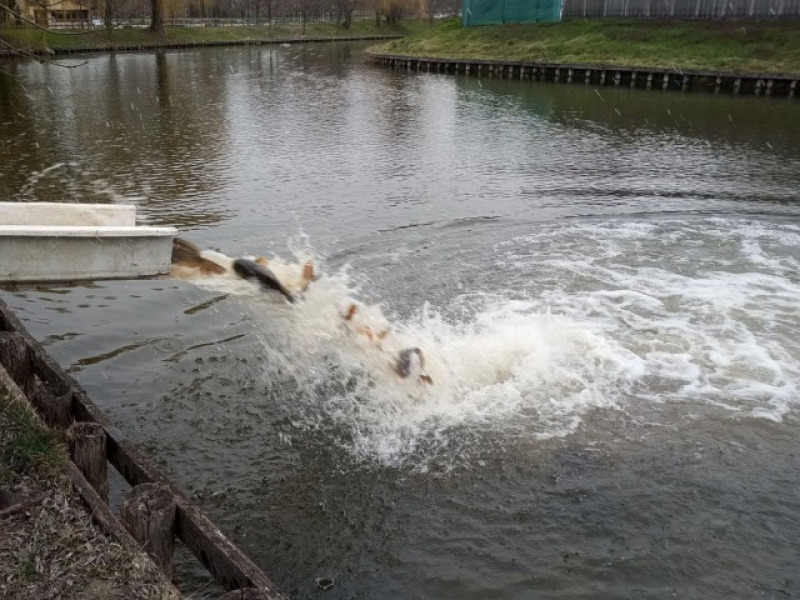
[(294, 134)]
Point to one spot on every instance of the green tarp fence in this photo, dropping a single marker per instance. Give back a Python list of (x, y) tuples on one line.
[(498, 12)]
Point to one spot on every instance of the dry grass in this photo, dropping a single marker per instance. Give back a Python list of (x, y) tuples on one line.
[(55, 551)]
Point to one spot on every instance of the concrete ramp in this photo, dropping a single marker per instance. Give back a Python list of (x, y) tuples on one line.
[(73, 242)]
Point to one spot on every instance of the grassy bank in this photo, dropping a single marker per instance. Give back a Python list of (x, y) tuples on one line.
[(34, 39), (768, 47), (27, 447), (52, 548)]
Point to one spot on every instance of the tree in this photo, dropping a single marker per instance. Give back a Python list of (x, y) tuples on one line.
[(159, 9), (394, 10), (157, 17), (346, 8)]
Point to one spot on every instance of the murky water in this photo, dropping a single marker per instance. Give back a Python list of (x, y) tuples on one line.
[(604, 283)]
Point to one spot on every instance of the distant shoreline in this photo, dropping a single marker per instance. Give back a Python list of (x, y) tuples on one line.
[(765, 48), (37, 43), (753, 84), (137, 47)]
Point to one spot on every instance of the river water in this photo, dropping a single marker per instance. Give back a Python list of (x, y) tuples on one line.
[(605, 284)]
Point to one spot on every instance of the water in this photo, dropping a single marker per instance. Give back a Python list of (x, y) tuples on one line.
[(604, 284)]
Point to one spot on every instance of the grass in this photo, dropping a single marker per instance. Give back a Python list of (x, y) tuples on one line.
[(732, 46), (34, 39), (27, 446)]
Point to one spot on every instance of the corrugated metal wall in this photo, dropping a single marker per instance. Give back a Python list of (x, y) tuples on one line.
[(681, 9)]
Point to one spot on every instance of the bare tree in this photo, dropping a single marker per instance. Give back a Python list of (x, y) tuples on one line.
[(157, 17), (346, 8)]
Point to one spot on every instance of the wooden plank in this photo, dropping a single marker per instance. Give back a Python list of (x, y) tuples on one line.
[(55, 407), (87, 447), (102, 515), (148, 513), (223, 560), (17, 358)]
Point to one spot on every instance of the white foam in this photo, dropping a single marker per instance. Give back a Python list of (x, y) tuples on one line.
[(677, 311)]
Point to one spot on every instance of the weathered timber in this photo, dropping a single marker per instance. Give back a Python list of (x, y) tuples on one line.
[(17, 358), (87, 447), (148, 513), (763, 84), (8, 320), (102, 514), (223, 560), (54, 406)]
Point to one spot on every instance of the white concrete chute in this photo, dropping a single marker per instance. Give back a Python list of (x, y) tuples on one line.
[(71, 242)]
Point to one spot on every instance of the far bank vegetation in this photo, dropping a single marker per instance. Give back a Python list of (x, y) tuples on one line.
[(156, 14)]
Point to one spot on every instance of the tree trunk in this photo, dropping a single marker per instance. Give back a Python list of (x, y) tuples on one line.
[(108, 17), (348, 18), (157, 22)]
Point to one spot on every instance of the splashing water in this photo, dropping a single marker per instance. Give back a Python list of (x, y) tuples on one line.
[(510, 360), (706, 317)]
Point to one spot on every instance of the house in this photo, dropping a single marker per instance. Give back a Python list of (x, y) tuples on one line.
[(57, 14)]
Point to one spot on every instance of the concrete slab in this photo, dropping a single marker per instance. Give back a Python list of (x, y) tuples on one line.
[(73, 242)]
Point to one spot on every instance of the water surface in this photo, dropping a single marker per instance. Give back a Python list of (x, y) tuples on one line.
[(604, 282)]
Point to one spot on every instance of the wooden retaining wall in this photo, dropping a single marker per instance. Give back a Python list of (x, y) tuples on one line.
[(658, 79), (64, 404)]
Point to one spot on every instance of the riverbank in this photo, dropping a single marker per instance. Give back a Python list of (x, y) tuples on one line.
[(36, 41), (720, 46), (49, 545)]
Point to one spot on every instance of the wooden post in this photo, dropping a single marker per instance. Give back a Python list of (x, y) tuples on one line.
[(148, 513), (247, 594), (17, 358), (55, 408), (87, 446)]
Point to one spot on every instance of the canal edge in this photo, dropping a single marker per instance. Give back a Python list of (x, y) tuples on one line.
[(61, 51), (64, 405), (754, 84)]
